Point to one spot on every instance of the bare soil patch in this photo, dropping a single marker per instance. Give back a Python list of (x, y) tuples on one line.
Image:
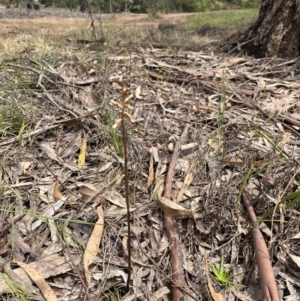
[(55, 21)]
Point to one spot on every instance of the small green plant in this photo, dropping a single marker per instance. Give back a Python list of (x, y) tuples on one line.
[(101, 59), (244, 183), (276, 147), (12, 121), (114, 294), (223, 276), (115, 139), (17, 290), (295, 202), (200, 165), (84, 33), (291, 200)]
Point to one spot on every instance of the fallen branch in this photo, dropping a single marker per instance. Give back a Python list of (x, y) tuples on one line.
[(170, 225), (265, 271)]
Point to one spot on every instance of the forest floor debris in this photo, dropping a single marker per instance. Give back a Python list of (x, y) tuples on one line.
[(62, 170)]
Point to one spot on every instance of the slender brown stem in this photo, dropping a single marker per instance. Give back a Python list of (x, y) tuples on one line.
[(126, 192)]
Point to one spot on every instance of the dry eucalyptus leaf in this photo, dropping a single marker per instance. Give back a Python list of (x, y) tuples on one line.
[(182, 164), (92, 247), (38, 280), (115, 198), (297, 236), (138, 92), (49, 211), (87, 190), (160, 293), (115, 211), (105, 167), (151, 173), (90, 99), (112, 272), (241, 296), (173, 209), (235, 61), (158, 189), (25, 166), (187, 182), (50, 152), (29, 288), (155, 152), (296, 259)]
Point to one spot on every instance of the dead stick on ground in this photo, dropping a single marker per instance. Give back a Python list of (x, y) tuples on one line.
[(170, 225), (266, 274)]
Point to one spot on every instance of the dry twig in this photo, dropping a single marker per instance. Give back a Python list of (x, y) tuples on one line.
[(170, 224), (267, 278)]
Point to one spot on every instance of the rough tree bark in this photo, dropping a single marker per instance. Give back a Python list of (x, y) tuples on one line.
[(276, 32)]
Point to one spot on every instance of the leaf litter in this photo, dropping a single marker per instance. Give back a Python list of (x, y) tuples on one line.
[(243, 130)]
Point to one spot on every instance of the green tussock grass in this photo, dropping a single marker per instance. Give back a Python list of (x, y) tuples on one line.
[(222, 19)]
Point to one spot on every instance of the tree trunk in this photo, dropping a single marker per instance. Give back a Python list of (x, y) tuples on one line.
[(276, 32), (83, 6)]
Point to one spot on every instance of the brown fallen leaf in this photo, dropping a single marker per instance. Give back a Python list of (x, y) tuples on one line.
[(50, 152), (38, 280), (19, 243), (91, 101), (187, 182), (57, 194), (93, 244), (172, 209), (235, 61), (48, 266), (28, 286), (158, 189), (25, 166), (216, 296), (138, 93)]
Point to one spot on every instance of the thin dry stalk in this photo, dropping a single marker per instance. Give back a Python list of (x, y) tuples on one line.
[(170, 225), (126, 191), (267, 278), (126, 96)]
